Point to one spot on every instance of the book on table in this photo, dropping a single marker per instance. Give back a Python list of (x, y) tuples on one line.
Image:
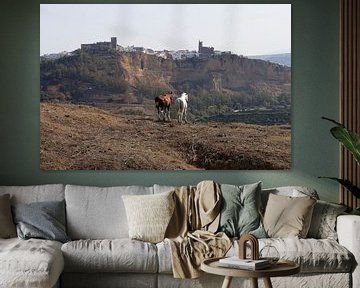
[(249, 264)]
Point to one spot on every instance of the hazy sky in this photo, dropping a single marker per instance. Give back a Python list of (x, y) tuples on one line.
[(246, 29)]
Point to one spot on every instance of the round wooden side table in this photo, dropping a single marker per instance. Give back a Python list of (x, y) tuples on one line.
[(281, 268)]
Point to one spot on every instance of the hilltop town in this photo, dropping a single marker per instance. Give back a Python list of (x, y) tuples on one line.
[(202, 52), (112, 45)]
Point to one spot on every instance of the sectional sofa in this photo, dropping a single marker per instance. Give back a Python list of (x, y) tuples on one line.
[(100, 253)]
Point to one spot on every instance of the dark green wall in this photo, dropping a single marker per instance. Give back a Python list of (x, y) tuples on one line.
[(315, 93)]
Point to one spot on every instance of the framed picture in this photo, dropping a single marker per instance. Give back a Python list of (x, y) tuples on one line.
[(165, 86)]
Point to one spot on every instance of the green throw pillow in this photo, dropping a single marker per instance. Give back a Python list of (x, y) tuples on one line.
[(240, 213)]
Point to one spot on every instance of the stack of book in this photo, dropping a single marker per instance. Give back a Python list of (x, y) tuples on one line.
[(248, 264)]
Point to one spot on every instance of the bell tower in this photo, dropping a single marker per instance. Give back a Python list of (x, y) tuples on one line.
[(200, 46), (113, 43)]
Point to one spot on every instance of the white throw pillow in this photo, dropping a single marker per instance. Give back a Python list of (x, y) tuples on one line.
[(149, 215)]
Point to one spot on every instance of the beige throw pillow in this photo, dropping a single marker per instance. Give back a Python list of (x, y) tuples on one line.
[(148, 215), (7, 226), (288, 217)]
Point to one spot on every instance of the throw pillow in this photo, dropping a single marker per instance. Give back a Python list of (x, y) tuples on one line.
[(44, 220), (323, 222), (288, 217), (149, 215), (293, 191), (240, 213), (7, 226)]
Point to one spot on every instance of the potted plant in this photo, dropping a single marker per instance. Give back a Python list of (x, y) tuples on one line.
[(351, 141)]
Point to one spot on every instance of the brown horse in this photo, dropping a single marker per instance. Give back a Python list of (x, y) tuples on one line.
[(162, 104)]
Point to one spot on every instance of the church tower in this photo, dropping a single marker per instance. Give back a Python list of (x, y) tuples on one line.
[(113, 43), (200, 46)]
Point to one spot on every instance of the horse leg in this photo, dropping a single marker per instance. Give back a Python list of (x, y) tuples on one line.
[(185, 116), (168, 112), (181, 112), (163, 113), (182, 116), (160, 113)]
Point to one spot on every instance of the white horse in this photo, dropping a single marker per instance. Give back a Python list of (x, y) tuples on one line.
[(182, 102)]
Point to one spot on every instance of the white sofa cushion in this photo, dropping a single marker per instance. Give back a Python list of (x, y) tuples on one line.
[(36, 193), (98, 213), (163, 188), (117, 255), (30, 263), (348, 229), (164, 257), (313, 255)]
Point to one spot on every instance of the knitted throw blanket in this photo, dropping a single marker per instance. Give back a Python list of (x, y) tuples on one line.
[(191, 232)]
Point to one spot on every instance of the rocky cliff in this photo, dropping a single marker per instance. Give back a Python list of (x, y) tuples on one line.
[(226, 81)]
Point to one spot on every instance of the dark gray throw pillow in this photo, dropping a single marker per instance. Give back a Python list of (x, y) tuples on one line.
[(240, 213), (44, 220)]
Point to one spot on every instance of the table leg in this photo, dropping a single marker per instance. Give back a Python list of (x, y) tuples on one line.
[(267, 283), (254, 282), (227, 282)]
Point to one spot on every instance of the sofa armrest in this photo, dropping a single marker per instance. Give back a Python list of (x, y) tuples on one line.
[(348, 230)]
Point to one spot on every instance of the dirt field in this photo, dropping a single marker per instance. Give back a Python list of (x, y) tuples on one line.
[(78, 137)]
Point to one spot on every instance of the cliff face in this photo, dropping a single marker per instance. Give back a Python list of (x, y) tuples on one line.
[(227, 72), (143, 69), (227, 82)]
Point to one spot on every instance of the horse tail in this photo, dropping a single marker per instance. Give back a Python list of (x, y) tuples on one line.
[(157, 101)]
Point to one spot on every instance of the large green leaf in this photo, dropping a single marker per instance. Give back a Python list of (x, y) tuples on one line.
[(348, 185), (348, 138)]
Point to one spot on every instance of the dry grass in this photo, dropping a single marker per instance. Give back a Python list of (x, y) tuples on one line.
[(77, 137)]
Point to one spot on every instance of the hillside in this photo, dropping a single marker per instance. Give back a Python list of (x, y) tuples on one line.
[(80, 137), (283, 59), (226, 82)]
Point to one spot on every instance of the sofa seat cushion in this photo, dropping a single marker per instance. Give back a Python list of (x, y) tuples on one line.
[(115, 255), (313, 255), (30, 263)]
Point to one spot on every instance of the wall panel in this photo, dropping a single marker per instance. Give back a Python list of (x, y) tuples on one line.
[(349, 91)]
